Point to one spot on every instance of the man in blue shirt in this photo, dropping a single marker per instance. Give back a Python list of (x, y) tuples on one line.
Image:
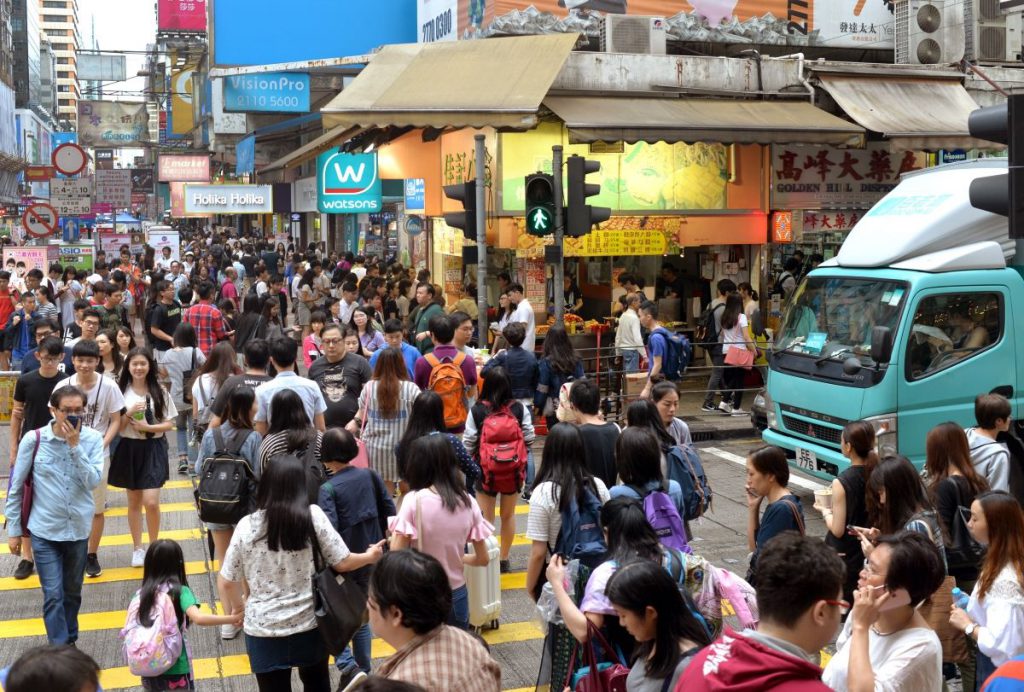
[(657, 348), (283, 352), (66, 463), (43, 329), (394, 335)]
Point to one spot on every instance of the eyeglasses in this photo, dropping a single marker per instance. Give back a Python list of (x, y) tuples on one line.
[(869, 568), (843, 606), (330, 342), (72, 412)]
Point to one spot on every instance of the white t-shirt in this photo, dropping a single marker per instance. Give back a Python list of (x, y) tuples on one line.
[(102, 399), (209, 388), (735, 337), (1000, 617), (545, 521), (907, 661), (131, 398), (280, 593), (524, 313)]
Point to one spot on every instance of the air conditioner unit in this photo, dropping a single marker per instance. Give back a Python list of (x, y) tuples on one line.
[(633, 34), (929, 32), (991, 35)]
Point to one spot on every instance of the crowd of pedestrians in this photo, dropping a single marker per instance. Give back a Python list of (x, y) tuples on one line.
[(373, 440)]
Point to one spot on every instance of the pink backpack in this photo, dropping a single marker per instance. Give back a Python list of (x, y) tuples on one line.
[(151, 651)]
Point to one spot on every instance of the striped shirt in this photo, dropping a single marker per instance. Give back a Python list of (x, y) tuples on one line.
[(277, 443), (382, 434)]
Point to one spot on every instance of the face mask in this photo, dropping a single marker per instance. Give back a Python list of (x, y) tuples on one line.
[(73, 421)]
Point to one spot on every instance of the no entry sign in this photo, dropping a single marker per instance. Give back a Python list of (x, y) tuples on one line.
[(69, 158), (39, 220)]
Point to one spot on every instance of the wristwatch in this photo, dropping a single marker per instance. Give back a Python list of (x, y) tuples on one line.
[(969, 630)]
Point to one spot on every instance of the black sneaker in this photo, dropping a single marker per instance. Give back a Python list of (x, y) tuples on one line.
[(183, 469), (505, 566), (24, 569), (92, 565), (349, 676), (709, 408)]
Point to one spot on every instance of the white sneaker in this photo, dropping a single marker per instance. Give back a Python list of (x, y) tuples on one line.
[(229, 631), (725, 407), (740, 412), (138, 557)]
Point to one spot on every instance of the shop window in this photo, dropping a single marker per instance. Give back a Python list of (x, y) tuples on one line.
[(950, 328)]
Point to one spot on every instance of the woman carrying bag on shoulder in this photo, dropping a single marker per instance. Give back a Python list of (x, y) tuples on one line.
[(739, 351)]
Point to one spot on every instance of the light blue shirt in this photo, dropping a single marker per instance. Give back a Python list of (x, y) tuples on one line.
[(63, 479), (250, 449), (674, 491), (409, 352), (308, 391)]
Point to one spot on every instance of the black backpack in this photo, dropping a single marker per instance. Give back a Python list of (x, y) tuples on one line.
[(315, 475), (227, 484), (778, 289), (706, 334)]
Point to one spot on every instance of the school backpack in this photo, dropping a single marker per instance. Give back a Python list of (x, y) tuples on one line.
[(227, 484), (664, 518), (315, 475), (678, 353), (564, 411), (686, 469), (448, 382), (502, 450), (152, 651), (778, 289), (706, 334), (580, 537)]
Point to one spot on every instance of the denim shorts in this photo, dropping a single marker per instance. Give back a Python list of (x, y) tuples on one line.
[(267, 654)]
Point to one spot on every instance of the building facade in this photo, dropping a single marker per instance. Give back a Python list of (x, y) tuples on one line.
[(26, 36), (59, 22)]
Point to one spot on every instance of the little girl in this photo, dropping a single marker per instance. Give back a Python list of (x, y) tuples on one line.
[(165, 568), (311, 346)]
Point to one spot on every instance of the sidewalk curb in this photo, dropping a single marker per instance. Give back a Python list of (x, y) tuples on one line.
[(702, 431)]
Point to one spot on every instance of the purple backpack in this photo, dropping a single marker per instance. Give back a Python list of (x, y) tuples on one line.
[(664, 518)]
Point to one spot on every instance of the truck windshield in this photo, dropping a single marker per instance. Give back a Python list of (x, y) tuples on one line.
[(832, 317)]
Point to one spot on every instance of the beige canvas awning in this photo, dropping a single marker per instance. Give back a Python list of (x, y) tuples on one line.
[(914, 113), (598, 119), (313, 148), (483, 83)]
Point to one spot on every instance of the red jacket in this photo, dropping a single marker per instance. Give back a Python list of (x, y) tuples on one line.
[(737, 663)]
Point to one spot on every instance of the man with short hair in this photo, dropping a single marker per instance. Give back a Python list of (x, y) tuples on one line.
[(282, 356), (110, 313), (164, 318), (257, 356), (229, 289), (714, 350), (629, 343), (599, 436), (394, 337), (991, 458), (799, 599), (89, 325), (41, 330), (657, 345), (340, 376), (177, 278), (19, 329), (349, 302), (442, 333), (426, 309), (207, 320), (164, 261), (524, 313)]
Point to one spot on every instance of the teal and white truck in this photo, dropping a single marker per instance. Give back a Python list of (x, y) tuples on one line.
[(921, 310)]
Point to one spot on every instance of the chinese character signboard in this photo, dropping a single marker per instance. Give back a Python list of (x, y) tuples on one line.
[(610, 243), (114, 187), (347, 183), (831, 220), (112, 124), (71, 196), (815, 177), (415, 194), (183, 169), (181, 15)]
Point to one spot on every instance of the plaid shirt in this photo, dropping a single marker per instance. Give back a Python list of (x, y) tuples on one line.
[(209, 325), (445, 659)]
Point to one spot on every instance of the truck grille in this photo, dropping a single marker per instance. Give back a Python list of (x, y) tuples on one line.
[(816, 431)]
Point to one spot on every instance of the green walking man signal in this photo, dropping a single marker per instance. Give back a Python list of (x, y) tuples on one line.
[(540, 204)]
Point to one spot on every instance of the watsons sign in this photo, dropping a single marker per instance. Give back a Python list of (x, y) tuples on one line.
[(280, 92), (347, 183), (229, 199)]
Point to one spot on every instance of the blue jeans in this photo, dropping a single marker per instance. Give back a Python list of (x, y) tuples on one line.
[(358, 654), (630, 361), (183, 425), (61, 569), (531, 470), (459, 615)]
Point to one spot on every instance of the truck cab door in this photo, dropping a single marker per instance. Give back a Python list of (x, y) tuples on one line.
[(959, 343)]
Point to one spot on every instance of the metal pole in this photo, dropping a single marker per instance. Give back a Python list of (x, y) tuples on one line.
[(481, 241), (559, 269)]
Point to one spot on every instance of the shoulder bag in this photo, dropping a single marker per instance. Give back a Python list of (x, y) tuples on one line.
[(935, 610), (27, 488), (962, 551), (594, 676), (339, 604)]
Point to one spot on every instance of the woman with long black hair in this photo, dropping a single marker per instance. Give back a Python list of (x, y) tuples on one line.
[(289, 431), (558, 364), (426, 418), (735, 334), (280, 624), (248, 321)]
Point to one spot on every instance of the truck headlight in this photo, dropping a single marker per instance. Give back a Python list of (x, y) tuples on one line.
[(886, 428), (769, 410)]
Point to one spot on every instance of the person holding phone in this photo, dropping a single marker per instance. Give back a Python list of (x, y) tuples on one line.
[(886, 643)]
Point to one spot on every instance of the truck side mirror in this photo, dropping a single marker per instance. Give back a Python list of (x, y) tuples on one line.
[(881, 344)]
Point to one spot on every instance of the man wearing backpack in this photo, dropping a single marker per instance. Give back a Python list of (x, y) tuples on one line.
[(447, 372), (665, 351), (710, 331)]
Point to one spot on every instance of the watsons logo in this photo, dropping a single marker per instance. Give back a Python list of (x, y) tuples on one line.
[(348, 183), (278, 83)]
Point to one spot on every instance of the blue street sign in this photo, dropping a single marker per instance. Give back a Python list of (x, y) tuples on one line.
[(280, 92), (414, 225), (415, 194), (70, 229), (348, 183)]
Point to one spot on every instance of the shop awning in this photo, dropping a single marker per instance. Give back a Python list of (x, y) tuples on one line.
[(313, 148), (489, 82), (596, 119), (914, 113)]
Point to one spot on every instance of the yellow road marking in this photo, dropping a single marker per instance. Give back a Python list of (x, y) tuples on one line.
[(126, 539)]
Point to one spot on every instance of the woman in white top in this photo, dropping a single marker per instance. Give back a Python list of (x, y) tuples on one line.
[(178, 365), (995, 614), (69, 290), (271, 552), (219, 366), (735, 333), (886, 643)]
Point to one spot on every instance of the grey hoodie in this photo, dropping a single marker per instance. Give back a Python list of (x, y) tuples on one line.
[(991, 459)]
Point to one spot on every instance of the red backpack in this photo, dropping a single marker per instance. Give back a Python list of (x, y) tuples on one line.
[(502, 451), (448, 382)]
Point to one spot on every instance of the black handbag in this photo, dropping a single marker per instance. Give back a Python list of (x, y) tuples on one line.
[(962, 551), (339, 603)]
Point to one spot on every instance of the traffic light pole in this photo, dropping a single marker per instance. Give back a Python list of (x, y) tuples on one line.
[(481, 242), (559, 269)]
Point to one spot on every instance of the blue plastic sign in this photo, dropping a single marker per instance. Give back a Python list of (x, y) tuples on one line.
[(348, 183), (245, 156), (952, 155), (415, 194), (273, 92), (414, 225), (70, 229)]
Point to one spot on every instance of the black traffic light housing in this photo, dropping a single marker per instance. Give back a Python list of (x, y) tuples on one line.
[(465, 220), (1002, 194), (540, 204), (581, 217)]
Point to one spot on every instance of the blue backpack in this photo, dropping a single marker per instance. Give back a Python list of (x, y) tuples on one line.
[(580, 537), (685, 468), (678, 353)]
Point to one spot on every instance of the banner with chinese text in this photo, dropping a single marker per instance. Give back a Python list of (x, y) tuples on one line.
[(112, 124)]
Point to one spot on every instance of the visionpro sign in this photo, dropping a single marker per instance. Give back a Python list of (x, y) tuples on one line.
[(281, 92), (347, 183)]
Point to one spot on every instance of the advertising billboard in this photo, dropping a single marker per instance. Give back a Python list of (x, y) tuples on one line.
[(437, 20), (112, 124), (348, 183), (142, 180), (181, 15), (262, 32), (182, 104), (280, 92), (97, 67), (172, 168), (831, 23), (229, 199)]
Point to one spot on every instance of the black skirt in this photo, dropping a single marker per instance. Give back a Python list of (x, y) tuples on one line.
[(139, 464)]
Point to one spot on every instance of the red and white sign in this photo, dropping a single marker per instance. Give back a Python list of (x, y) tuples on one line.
[(39, 220), (181, 15), (183, 169), (39, 174), (69, 158)]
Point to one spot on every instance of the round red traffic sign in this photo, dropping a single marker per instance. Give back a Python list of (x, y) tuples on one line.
[(69, 158), (39, 220)]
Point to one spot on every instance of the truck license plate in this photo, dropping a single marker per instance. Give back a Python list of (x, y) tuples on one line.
[(806, 459)]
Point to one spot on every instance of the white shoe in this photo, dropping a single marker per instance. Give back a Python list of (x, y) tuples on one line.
[(740, 412), (138, 557), (725, 407), (229, 631)]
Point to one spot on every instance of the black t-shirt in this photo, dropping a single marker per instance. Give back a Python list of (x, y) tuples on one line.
[(166, 318), (341, 384), (249, 263), (271, 259), (599, 446), (33, 390), (220, 402)]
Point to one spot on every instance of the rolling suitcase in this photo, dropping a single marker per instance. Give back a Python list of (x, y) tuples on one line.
[(484, 587)]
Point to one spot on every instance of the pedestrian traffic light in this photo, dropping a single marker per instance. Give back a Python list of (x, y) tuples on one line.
[(581, 216), (540, 204), (466, 220), (1002, 194)]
